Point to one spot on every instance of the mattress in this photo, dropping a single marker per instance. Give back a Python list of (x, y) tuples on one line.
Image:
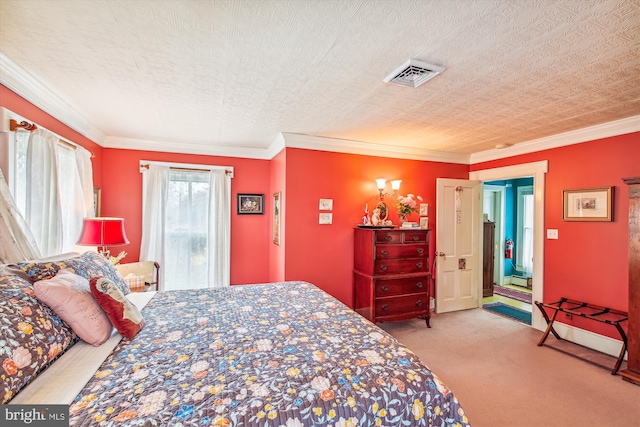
[(277, 354)]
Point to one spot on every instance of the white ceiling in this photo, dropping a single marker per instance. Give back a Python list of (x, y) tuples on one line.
[(210, 75)]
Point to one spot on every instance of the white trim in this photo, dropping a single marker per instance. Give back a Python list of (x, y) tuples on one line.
[(28, 87), (186, 165), (605, 130), (601, 343), (537, 170)]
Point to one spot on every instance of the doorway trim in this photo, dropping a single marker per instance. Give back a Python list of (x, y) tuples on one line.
[(537, 170)]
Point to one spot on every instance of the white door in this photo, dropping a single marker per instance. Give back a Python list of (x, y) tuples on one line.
[(458, 244)]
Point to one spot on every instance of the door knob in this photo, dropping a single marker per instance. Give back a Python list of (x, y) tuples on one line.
[(442, 254)]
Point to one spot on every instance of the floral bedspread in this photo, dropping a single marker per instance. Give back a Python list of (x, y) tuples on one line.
[(277, 354)]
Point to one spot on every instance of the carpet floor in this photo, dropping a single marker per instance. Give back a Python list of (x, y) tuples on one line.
[(508, 311), (515, 294)]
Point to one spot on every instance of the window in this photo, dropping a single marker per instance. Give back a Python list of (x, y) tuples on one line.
[(187, 228), (524, 250)]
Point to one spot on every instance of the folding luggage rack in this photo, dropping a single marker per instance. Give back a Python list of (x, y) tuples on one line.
[(587, 311)]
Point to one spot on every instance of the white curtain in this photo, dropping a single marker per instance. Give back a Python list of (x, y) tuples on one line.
[(16, 241), (219, 229), (155, 182), (43, 207), (527, 235), (59, 192)]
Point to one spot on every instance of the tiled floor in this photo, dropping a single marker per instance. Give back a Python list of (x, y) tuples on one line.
[(509, 301)]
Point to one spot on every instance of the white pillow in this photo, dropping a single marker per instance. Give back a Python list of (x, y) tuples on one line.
[(69, 296)]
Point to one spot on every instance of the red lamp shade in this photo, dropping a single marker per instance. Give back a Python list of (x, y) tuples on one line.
[(102, 232)]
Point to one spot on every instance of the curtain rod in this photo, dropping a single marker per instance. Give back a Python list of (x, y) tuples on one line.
[(14, 125), (146, 166)]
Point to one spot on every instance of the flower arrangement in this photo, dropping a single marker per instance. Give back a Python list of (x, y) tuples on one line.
[(407, 205)]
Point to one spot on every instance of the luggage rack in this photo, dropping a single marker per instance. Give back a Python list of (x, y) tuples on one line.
[(587, 311)]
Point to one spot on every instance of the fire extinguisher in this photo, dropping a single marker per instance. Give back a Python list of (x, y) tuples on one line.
[(508, 252)]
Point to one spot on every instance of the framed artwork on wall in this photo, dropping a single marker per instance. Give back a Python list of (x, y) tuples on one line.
[(250, 204), (96, 201), (588, 204), (276, 217)]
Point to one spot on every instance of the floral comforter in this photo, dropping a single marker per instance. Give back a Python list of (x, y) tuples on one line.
[(278, 354)]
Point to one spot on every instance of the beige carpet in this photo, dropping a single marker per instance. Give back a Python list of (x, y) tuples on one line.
[(502, 378)]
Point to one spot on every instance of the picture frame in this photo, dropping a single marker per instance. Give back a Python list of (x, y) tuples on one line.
[(325, 218), (326, 204), (96, 200), (250, 204), (588, 204), (424, 209), (424, 222), (276, 217)]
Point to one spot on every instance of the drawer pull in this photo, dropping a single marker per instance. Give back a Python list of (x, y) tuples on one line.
[(419, 285), (385, 307), (419, 265), (419, 303), (416, 238), (387, 238), (420, 251), (385, 252), (384, 289), (383, 267)]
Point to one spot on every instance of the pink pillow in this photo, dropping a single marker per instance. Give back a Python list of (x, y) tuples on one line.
[(69, 296), (124, 315)]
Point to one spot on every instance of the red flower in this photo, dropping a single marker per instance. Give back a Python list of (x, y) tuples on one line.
[(10, 366)]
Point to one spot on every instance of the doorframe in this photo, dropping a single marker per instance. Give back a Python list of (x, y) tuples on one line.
[(499, 237), (537, 170)]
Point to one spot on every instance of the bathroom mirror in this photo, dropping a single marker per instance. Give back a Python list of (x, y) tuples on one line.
[(384, 211)]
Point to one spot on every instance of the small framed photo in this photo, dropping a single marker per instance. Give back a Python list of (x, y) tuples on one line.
[(96, 201), (250, 204), (325, 218), (424, 209), (588, 204), (424, 222), (326, 204), (276, 217)]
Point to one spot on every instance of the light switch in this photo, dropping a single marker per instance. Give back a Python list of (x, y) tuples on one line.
[(552, 234)]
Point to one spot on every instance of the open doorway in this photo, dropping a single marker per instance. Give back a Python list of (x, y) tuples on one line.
[(508, 212)]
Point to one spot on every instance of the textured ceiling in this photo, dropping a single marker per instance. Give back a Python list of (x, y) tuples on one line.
[(239, 73)]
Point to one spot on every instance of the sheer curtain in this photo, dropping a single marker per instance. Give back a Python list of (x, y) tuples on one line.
[(59, 192), (527, 235), (155, 182), (16, 241), (186, 226)]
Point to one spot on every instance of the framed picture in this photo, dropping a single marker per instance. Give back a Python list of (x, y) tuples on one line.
[(250, 204), (588, 204), (325, 218), (424, 209), (326, 204), (276, 217), (96, 201), (424, 222)]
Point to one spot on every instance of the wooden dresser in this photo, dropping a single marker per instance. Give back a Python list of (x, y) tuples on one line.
[(488, 258), (391, 274)]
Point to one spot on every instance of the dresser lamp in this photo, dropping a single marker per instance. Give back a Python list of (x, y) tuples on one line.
[(103, 232)]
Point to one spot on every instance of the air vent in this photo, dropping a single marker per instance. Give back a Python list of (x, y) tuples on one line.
[(413, 73)]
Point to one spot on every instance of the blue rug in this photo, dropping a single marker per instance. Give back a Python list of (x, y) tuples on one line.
[(508, 311)]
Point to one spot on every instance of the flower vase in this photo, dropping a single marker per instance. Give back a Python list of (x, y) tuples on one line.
[(403, 219)]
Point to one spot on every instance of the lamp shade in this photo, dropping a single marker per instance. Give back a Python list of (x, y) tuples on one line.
[(102, 231)]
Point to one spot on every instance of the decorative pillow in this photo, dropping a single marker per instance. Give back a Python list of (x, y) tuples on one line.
[(69, 296), (31, 335), (124, 315), (87, 265)]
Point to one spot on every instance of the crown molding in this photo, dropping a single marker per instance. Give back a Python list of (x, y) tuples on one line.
[(310, 142), (605, 130), (24, 84), (187, 148)]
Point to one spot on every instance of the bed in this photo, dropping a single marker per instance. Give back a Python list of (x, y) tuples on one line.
[(274, 354)]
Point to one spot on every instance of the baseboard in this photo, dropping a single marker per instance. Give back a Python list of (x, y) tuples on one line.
[(588, 339)]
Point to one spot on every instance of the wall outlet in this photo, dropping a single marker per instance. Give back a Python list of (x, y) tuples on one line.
[(552, 234)]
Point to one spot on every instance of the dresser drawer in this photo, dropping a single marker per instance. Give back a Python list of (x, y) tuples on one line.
[(394, 287), (416, 236), (401, 266), (401, 305), (400, 251), (388, 237)]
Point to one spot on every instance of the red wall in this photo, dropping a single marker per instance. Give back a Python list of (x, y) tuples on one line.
[(589, 261), (11, 101), (122, 197), (323, 254)]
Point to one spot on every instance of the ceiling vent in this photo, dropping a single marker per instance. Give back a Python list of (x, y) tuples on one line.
[(413, 73)]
